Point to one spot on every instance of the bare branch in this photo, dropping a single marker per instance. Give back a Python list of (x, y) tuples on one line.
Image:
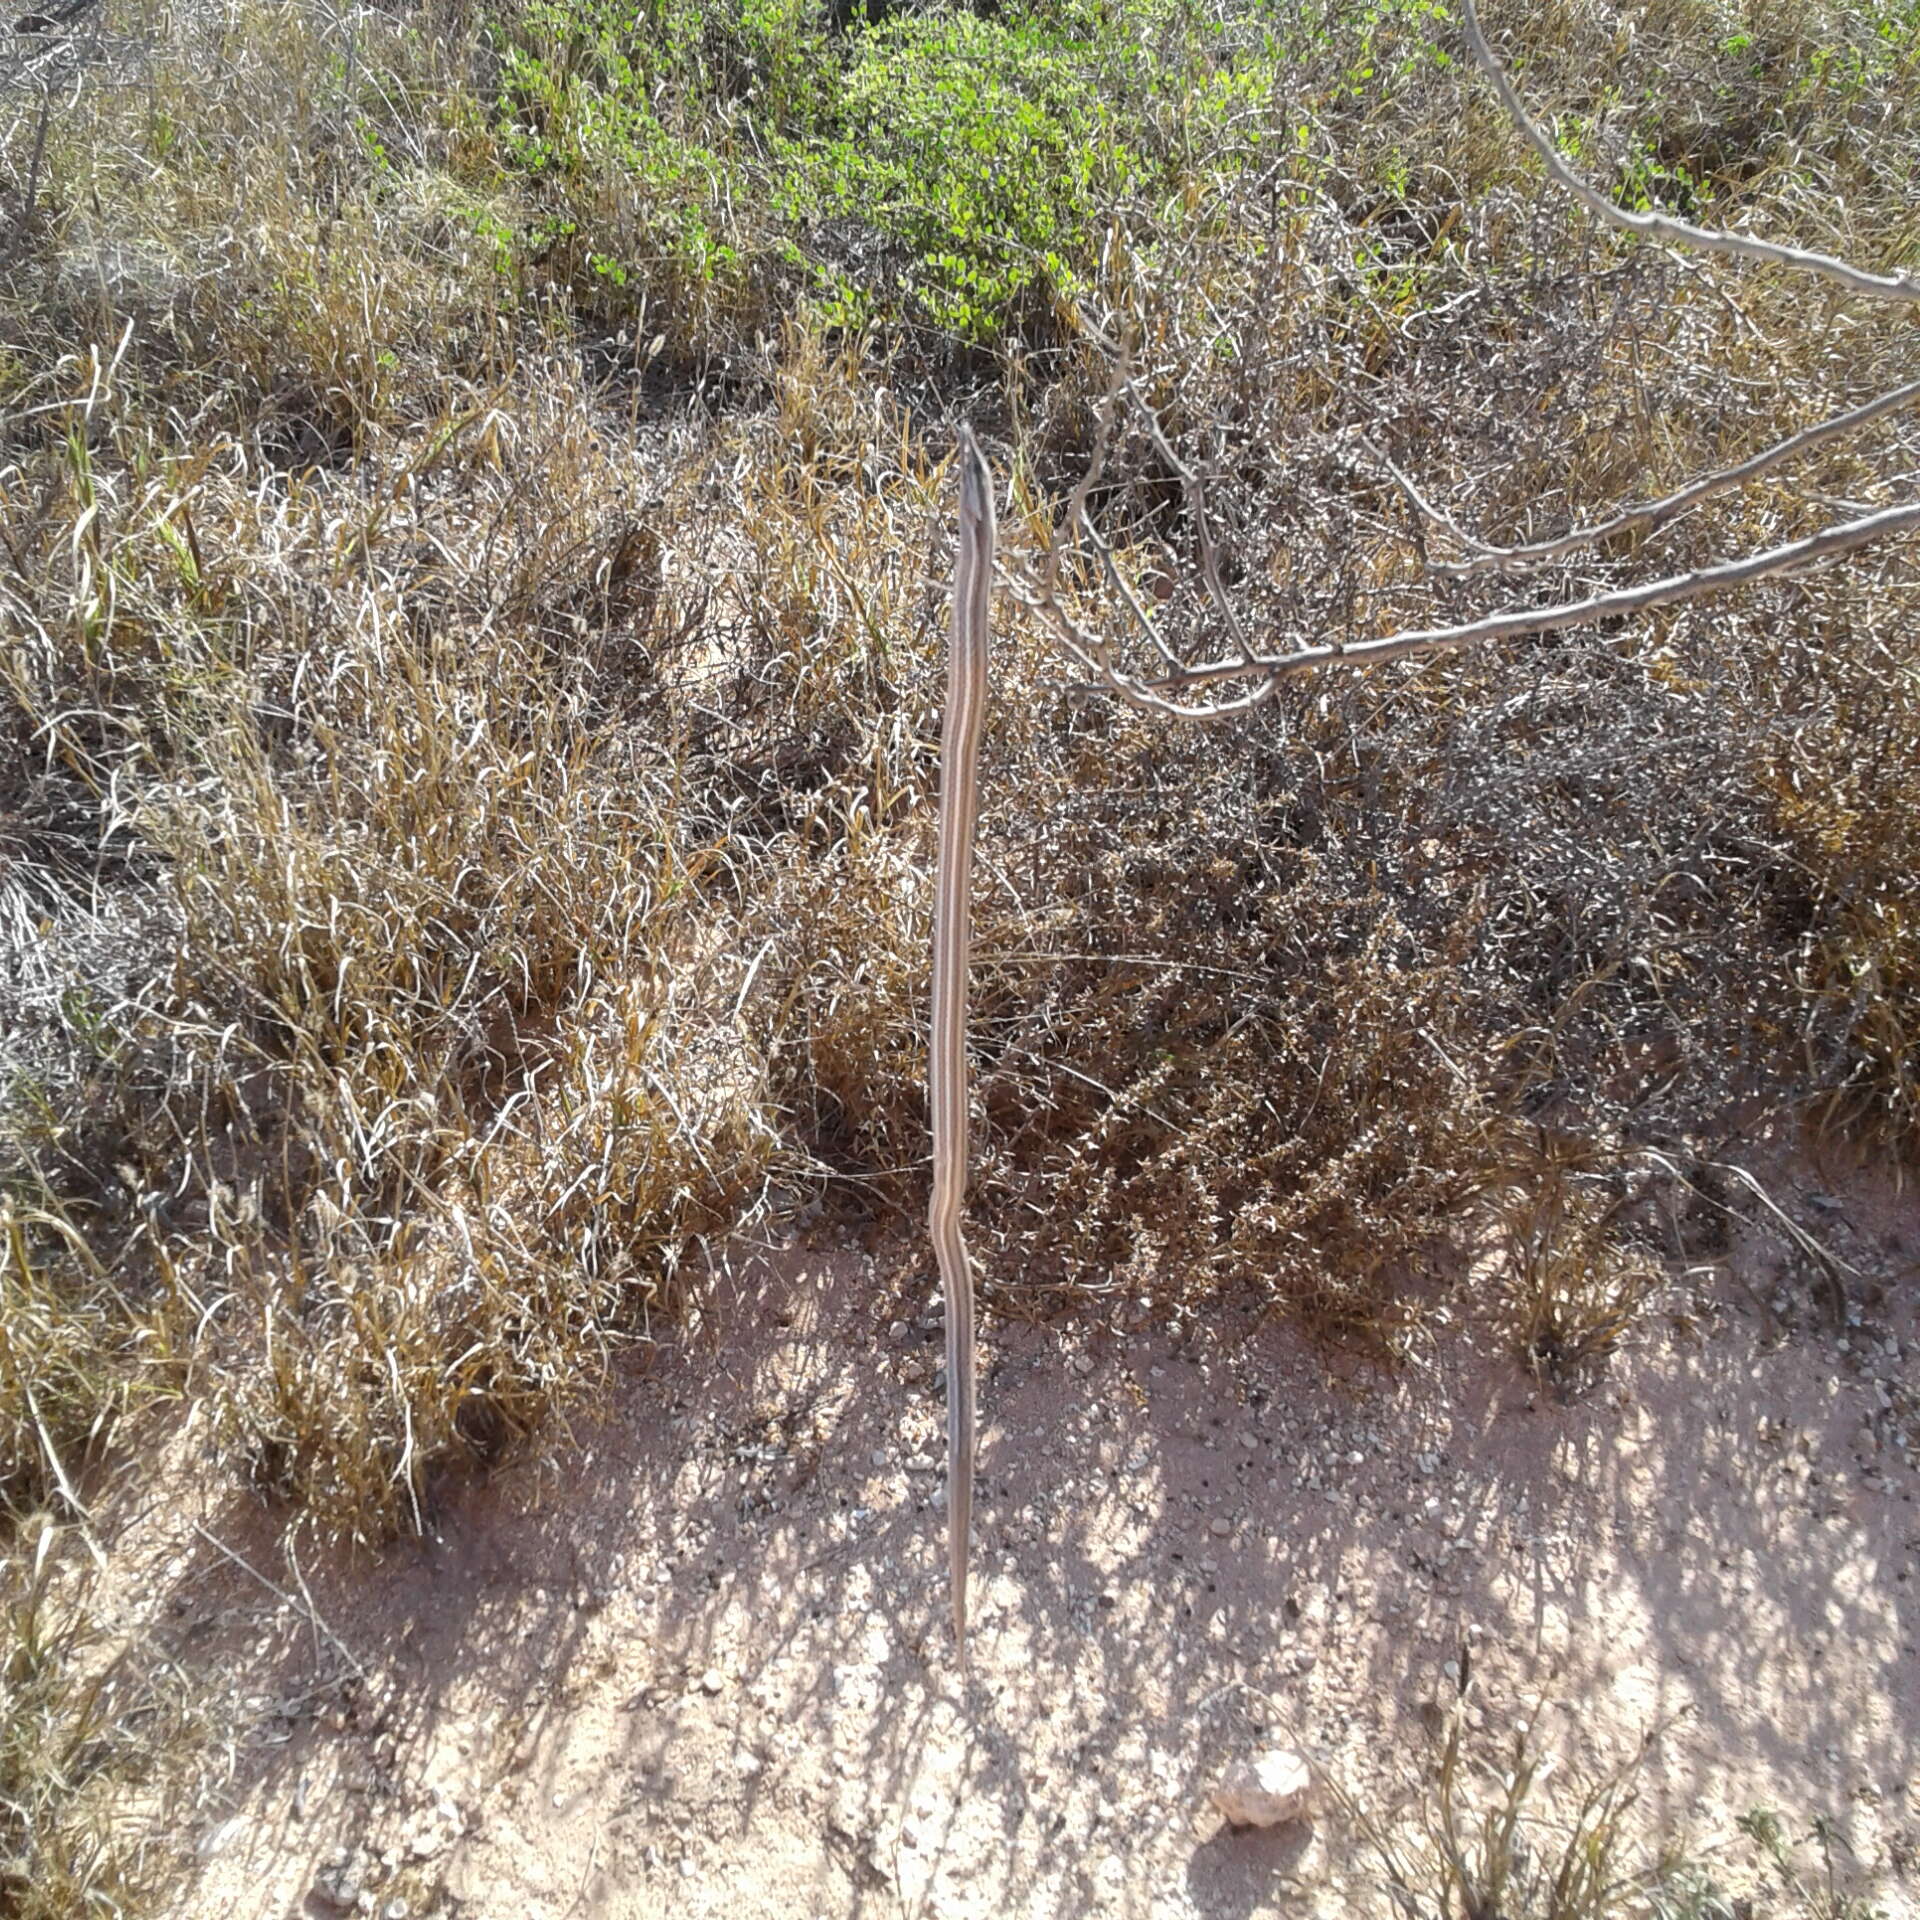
[(1158, 695), (1488, 558), (1662, 226)]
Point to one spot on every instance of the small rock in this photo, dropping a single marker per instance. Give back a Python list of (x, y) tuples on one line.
[(338, 1887), (881, 1459), (223, 1836), (713, 1681), (1272, 1787), (395, 1910), (1082, 1364), (897, 1330), (1248, 1438), (1220, 1527)]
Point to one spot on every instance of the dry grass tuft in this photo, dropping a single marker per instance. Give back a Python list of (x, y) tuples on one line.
[(1491, 1846), (1575, 1282), (78, 1739)]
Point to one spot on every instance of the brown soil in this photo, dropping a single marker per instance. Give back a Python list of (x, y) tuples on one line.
[(697, 1663)]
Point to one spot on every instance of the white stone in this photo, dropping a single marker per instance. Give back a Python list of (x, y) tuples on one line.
[(1272, 1787)]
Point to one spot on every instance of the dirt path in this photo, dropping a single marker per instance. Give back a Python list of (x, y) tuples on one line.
[(699, 1666)]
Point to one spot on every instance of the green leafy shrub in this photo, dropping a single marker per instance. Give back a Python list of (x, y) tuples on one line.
[(986, 149)]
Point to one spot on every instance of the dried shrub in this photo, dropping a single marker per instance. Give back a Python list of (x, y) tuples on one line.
[(1575, 1282)]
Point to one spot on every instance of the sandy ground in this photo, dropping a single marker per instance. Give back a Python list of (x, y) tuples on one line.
[(697, 1663)]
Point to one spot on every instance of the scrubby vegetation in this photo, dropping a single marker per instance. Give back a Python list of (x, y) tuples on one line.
[(473, 528)]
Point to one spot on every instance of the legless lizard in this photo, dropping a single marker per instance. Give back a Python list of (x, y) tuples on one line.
[(947, 1052)]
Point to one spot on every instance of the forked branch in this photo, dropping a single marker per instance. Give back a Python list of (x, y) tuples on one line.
[(1160, 695), (1649, 513), (1166, 692), (1663, 226)]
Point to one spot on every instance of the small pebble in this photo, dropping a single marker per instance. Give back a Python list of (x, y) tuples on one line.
[(1266, 1791), (1220, 1527), (1082, 1364), (713, 1681)]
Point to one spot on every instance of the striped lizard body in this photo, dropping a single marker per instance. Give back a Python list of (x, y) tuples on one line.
[(947, 1050)]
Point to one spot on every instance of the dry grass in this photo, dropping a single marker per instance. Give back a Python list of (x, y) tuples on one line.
[(79, 1743), (1488, 1848), (531, 784), (469, 716), (1495, 1838), (1575, 1282)]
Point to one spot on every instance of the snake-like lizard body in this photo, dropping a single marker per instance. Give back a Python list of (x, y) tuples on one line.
[(947, 1051)]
